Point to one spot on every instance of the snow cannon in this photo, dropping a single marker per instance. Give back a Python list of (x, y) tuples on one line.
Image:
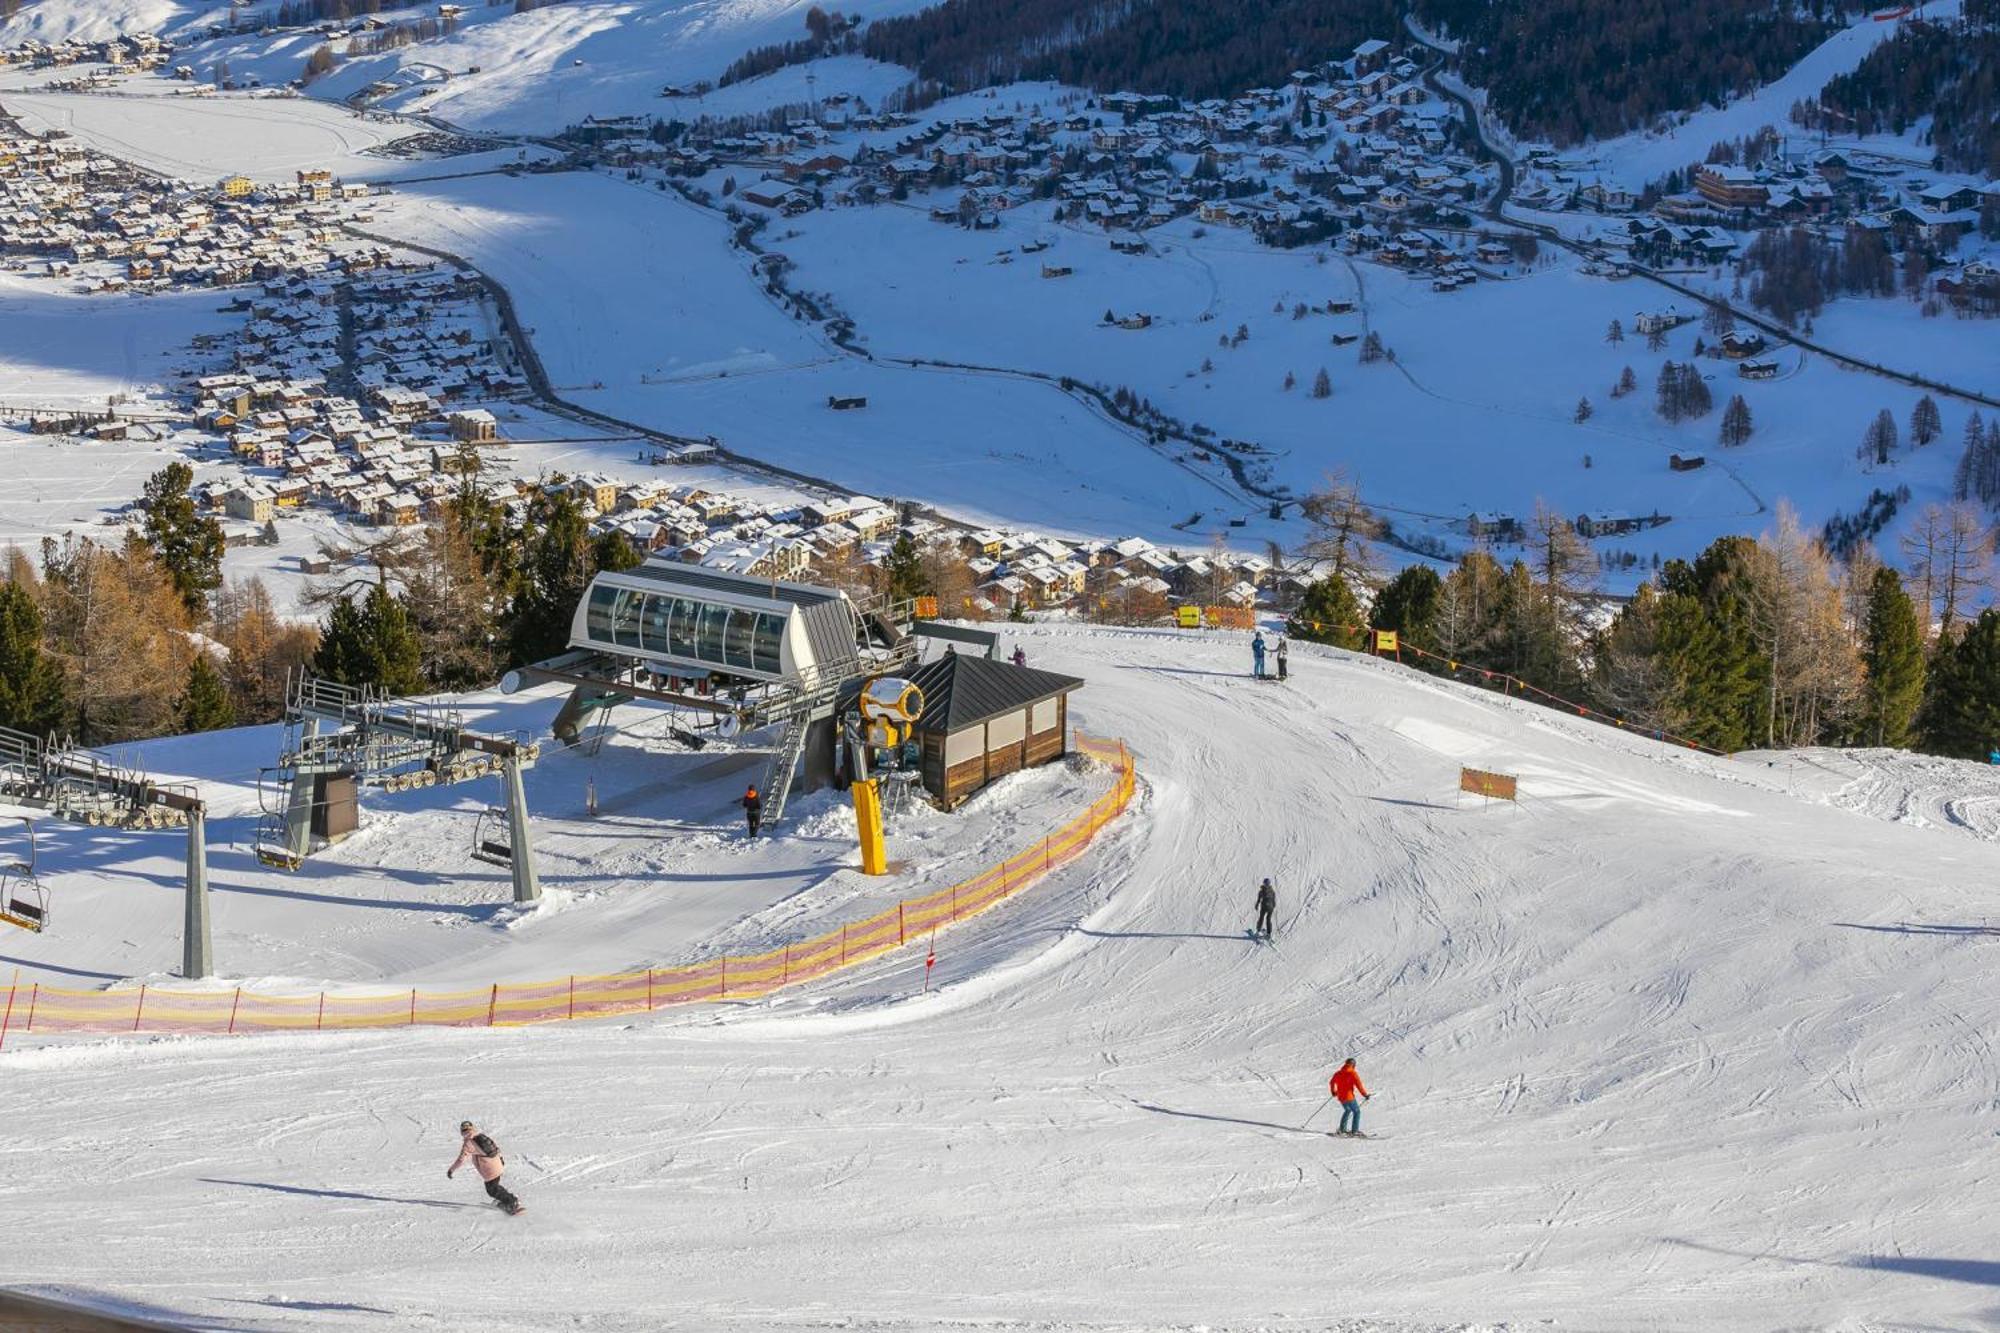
[(889, 706)]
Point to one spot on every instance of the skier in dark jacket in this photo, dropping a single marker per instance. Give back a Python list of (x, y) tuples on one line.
[(1267, 905), (753, 808), (1257, 655)]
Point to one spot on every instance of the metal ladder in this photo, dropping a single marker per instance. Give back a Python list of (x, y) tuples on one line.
[(784, 765), (810, 699)]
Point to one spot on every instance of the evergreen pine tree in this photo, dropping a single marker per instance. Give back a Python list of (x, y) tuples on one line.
[(398, 651), (1410, 604), (31, 697), (1893, 653), (1328, 613), (1925, 424), (1616, 333), (204, 705), (188, 545), (1961, 711), (1880, 440), (1970, 474), (1667, 399), (342, 654), (1696, 400), (904, 568), (1583, 411), (1735, 422), (373, 644), (556, 567), (1707, 642), (613, 550)]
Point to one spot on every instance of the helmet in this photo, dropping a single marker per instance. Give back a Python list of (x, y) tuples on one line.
[(466, 1126)]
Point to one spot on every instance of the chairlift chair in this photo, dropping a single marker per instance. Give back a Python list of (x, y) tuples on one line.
[(24, 901), (491, 842), (274, 847)]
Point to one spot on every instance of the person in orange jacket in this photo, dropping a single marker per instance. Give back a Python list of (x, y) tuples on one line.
[(1350, 1092)]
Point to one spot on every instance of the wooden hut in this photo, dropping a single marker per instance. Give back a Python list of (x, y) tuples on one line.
[(984, 719)]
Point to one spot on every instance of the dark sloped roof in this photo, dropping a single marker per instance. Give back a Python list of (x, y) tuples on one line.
[(961, 690)]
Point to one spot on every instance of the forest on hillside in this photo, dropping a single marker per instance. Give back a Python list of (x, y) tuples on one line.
[(1189, 48), (1568, 70), (1561, 69), (1947, 71)]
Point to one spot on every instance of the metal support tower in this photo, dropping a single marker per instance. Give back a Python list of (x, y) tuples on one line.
[(84, 787), (395, 745), (197, 950), (521, 860)]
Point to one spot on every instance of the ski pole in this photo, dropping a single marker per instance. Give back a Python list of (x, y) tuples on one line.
[(1316, 1110)]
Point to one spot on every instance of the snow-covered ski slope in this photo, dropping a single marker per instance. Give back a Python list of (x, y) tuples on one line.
[(531, 72), (1666, 1046)]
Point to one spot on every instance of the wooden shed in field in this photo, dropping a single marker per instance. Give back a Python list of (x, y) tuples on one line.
[(984, 719)]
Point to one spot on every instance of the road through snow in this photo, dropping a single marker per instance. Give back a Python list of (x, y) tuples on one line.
[(1663, 1046)]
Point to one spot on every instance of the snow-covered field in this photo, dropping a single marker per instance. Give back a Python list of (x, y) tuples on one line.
[(265, 137), (501, 71), (1665, 1046), (65, 351), (61, 348), (638, 307), (1475, 413)]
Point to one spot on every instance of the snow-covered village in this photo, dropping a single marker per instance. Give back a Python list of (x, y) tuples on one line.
[(874, 667)]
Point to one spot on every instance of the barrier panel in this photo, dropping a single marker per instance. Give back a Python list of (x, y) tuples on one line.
[(38, 1008)]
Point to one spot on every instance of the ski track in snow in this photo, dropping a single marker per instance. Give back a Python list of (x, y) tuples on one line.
[(1678, 1040)]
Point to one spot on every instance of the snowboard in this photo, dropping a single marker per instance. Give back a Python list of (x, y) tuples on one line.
[(1336, 1134), (1258, 938)]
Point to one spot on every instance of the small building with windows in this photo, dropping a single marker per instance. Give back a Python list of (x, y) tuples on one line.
[(984, 719), (692, 622)]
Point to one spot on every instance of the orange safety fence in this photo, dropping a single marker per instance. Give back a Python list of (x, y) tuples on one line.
[(38, 1008)]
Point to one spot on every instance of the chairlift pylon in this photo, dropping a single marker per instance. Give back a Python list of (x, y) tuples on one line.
[(24, 900)]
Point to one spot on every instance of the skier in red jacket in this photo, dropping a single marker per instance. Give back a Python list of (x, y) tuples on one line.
[(1348, 1089)]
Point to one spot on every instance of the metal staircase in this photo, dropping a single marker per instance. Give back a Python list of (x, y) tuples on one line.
[(814, 697)]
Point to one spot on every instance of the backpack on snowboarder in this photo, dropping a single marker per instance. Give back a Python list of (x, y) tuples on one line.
[(484, 1146)]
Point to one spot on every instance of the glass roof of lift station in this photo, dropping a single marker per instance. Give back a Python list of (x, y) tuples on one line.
[(696, 620)]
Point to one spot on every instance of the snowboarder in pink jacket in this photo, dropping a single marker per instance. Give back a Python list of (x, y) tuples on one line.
[(484, 1155)]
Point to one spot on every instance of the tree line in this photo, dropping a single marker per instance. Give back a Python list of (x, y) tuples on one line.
[(1946, 73), (108, 642), (1187, 48), (1575, 69), (1756, 643)]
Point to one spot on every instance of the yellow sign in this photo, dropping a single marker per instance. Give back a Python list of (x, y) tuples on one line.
[(927, 608), (1188, 617), (1498, 786), (1385, 641)]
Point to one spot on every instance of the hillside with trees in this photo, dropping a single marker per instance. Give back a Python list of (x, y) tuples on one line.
[(1569, 70), (1563, 69), (1765, 642), (1188, 48), (1948, 71)]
